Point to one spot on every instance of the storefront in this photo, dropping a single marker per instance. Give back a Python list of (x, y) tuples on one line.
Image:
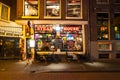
[(10, 35), (58, 37)]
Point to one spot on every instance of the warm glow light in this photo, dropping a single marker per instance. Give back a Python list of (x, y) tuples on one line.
[(32, 43)]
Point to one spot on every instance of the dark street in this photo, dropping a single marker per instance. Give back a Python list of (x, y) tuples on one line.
[(20, 70)]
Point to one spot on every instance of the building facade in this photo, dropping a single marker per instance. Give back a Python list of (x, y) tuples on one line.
[(10, 34), (55, 23), (88, 27), (105, 29)]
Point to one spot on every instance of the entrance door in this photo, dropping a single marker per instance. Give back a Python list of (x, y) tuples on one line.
[(9, 48)]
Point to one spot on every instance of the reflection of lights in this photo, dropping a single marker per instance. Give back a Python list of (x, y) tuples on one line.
[(57, 66), (32, 43), (96, 64), (80, 39), (116, 28)]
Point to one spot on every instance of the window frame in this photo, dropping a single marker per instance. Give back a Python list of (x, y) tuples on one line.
[(108, 26), (24, 16), (2, 13), (51, 17), (80, 15)]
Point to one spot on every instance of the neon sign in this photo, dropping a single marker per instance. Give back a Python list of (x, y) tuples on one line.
[(71, 28), (43, 28)]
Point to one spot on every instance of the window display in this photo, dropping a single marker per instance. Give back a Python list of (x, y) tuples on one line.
[(73, 37), (58, 36), (102, 26), (52, 9), (74, 9), (44, 36), (31, 8)]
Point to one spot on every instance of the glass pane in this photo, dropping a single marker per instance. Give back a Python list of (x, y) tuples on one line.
[(117, 26), (4, 12), (44, 36), (73, 37), (52, 8), (102, 26), (73, 8), (30, 7)]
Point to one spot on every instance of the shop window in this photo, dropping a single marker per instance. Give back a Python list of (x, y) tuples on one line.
[(117, 26), (52, 9), (30, 9), (102, 1), (73, 37), (74, 9), (102, 26), (4, 12), (44, 36)]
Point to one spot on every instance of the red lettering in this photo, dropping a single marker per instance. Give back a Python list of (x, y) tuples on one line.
[(71, 28)]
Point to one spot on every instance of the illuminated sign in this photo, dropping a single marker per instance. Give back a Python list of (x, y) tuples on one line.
[(71, 28), (43, 28)]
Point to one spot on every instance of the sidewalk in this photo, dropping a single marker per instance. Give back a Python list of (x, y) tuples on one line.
[(36, 67)]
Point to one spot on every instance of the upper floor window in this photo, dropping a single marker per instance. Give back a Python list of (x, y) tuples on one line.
[(52, 9), (74, 9), (31, 9), (4, 12), (102, 1), (102, 26)]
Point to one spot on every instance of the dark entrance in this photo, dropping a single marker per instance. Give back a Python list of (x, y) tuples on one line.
[(9, 48)]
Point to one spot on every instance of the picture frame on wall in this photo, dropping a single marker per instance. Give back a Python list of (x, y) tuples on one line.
[(4, 12), (52, 9)]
